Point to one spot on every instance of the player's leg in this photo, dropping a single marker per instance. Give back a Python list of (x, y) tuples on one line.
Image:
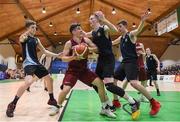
[(69, 81), (91, 78), (29, 71), (131, 71), (154, 80), (42, 72), (115, 101), (104, 98)]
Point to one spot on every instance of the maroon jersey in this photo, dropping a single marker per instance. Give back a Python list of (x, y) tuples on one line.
[(77, 64), (140, 56), (77, 70)]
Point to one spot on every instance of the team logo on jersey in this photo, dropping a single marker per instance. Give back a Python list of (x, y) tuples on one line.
[(125, 40), (99, 34)]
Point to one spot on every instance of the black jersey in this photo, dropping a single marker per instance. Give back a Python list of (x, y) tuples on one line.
[(103, 43), (128, 49), (151, 63)]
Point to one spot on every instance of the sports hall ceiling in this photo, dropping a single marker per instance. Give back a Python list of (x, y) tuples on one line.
[(61, 13)]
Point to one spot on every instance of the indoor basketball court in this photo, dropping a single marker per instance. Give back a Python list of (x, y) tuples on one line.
[(89, 60)]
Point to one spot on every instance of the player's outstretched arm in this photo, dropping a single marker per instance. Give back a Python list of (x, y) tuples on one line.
[(46, 52)]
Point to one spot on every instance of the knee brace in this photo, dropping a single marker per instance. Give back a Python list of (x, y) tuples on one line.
[(115, 89)]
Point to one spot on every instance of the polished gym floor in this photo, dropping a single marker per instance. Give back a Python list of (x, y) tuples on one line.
[(83, 103)]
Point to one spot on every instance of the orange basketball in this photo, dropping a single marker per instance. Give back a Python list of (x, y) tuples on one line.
[(82, 49)]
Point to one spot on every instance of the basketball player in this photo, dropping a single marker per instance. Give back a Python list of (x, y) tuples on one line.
[(142, 76), (32, 66), (77, 70), (129, 66), (153, 67), (106, 60)]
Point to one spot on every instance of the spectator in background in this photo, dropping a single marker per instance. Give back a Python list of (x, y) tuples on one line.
[(171, 70)]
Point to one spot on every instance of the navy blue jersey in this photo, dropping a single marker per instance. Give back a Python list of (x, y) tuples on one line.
[(103, 43), (29, 51), (151, 63), (128, 49)]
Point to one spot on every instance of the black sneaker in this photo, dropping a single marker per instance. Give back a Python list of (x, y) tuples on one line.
[(52, 102), (10, 110)]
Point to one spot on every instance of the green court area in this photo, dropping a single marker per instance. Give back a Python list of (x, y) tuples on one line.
[(84, 105), (10, 80)]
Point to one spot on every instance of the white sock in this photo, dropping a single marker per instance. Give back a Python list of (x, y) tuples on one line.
[(131, 100), (109, 103), (104, 104)]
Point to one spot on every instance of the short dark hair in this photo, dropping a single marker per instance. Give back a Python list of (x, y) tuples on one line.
[(29, 22), (123, 22), (74, 26)]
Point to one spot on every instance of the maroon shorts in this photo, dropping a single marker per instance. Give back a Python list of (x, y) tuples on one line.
[(142, 74), (86, 76)]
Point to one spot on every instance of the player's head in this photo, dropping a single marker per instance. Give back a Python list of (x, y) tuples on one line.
[(148, 51), (122, 25), (31, 26), (76, 30), (93, 19)]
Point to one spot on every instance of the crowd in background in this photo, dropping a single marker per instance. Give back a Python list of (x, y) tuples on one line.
[(6, 73), (171, 70)]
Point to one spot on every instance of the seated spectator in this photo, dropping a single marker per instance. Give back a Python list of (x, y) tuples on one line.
[(171, 70)]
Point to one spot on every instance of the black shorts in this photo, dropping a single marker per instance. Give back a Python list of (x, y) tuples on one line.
[(152, 74), (126, 70), (105, 66), (38, 70)]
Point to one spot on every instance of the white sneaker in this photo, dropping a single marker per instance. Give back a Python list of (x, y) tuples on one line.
[(107, 112), (54, 111)]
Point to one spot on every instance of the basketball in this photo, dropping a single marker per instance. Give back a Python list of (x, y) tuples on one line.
[(82, 49)]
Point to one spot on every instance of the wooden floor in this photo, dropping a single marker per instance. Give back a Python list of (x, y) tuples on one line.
[(33, 105)]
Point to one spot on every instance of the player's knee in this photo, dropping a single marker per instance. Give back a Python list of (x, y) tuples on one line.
[(28, 82), (133, 83), (98, 83), (47, 78), (66, 89), (115, 89)]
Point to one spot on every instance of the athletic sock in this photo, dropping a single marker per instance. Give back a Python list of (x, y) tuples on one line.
[(151, 100), (109, 103), (16, 98), (157, 90), (51, 96), (131, 100), (104, 105), (58, 106)]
